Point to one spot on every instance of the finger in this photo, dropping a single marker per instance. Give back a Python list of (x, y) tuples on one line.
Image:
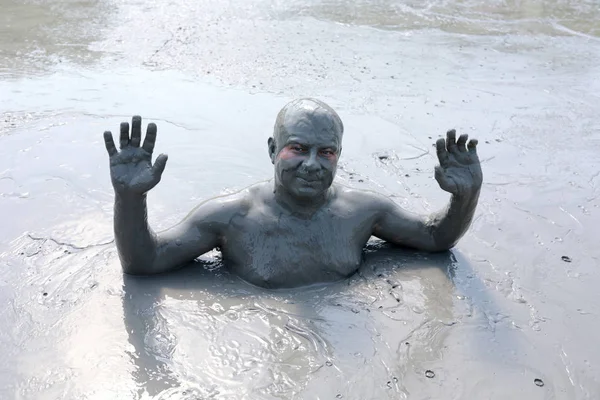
[(124, 134), (159, 165), (442, 153), (150, 138), (472, 146), (136, 131), (110, 144), (462, 141), (451, 140)]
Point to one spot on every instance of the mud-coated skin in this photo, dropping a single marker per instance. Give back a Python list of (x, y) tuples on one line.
[(297, 229)]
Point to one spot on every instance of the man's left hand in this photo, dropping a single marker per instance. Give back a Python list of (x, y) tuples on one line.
[(459, 171)]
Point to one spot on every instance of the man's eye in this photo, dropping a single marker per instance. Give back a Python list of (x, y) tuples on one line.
[(298, 148), (327, 152)]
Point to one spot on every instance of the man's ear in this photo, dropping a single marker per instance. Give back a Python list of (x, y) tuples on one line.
[(271, 143)]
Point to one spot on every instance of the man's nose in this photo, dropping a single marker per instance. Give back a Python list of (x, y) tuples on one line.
[(311, 163)]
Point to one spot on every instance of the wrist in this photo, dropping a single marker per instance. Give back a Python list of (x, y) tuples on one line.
[(467, 193), (129, 196)]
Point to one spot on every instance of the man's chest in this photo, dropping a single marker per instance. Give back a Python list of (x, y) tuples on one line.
[(285, 251)]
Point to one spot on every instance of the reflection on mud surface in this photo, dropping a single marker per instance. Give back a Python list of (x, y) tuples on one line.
[(205, 333), (202, 333)]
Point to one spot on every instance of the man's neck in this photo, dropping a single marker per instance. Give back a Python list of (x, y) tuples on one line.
[(302, 207)]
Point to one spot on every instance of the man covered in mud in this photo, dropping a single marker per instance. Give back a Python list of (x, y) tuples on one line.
[(297, 229)]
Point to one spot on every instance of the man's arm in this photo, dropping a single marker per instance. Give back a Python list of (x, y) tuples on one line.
[(143, 252), (132, 174), (438, 232), (460, 174)]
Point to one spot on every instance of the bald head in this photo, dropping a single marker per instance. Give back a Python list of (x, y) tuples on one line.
[(305, 148), (307, 115)]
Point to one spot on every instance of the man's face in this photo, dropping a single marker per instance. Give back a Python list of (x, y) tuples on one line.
[(306, 158)]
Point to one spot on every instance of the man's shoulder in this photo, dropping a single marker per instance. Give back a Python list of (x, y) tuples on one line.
[(360, 199), (223, 208)]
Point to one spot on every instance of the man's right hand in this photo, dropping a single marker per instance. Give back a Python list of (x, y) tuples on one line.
[(131, 169)]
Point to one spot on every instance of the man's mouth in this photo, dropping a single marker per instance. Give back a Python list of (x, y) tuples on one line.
[(308, 179)]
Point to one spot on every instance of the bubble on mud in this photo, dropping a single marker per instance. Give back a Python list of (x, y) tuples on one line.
[(429, 373), (232, 315), (566, 259), (538, 382)]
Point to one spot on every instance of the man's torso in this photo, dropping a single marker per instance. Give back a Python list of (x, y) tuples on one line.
[(272, 248)]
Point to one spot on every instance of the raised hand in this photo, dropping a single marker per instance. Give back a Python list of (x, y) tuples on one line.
[(131, 169), (459, 171)]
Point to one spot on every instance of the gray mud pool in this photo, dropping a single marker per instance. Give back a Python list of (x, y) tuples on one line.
[(511, 313)]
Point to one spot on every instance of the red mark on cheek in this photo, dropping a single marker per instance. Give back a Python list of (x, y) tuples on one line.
[(287, 154)]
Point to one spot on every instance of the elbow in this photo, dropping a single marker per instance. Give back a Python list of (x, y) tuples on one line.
[(442, 241), (137, 267), (135, 271), (440, 246), (147, 268)]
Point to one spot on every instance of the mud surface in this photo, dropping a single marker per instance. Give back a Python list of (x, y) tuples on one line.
[(512, 312)]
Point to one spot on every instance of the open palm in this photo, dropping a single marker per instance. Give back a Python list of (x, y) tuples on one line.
[(131, 169), (459, 171)]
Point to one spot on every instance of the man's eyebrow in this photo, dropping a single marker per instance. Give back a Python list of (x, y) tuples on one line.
[(292, 141), (296, 140), (332, 146)]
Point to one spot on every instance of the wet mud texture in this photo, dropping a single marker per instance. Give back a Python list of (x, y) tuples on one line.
[(510, 313)]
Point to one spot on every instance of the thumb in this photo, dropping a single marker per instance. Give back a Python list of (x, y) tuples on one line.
[(159, 165), (441, 178)]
